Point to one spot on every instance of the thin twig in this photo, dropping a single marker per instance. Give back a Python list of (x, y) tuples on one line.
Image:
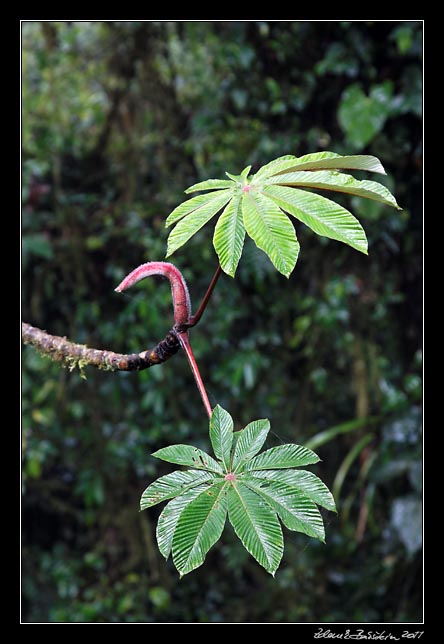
[(194, 319)]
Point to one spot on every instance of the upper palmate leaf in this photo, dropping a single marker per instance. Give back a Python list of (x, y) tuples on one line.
[(258, 205), (257, 492)]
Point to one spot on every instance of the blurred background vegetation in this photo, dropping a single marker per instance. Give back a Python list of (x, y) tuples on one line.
[(118, 119)]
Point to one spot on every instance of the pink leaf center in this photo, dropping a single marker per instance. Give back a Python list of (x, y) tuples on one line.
[(230, 476), (247, 188)]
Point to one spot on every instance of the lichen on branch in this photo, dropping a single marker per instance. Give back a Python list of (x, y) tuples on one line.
[(71, 354)]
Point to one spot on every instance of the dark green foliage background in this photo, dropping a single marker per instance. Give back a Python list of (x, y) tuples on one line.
[(118, 119)]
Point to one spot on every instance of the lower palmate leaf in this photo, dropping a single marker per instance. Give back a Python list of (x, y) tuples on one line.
[(256, 492)]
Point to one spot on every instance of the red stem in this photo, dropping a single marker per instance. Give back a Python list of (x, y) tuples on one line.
[(179, 290), (186, 346), (182, 310), (194, 319)]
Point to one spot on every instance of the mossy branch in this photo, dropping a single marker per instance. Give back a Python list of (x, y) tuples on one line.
[(72, 355)]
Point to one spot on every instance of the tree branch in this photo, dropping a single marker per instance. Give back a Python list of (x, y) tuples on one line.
[(78, 355), (72, 354)]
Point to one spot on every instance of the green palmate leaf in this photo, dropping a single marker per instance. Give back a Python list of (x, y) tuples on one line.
[(302, 481), (282, 456), (256, 525), (191, 205), (320, 161), (221, 435), (209, 184), (331, 160), (296, 511), (268, 169), (199, 527), (323, 216), (333, 180), (240, 178), (169, 517), (245, 171), (256, 490), (250, 440), (271, 231), (171, 485), (229, 236), (258, 204), (236, 436), (188, 455), (237, 178), (190, 224)]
